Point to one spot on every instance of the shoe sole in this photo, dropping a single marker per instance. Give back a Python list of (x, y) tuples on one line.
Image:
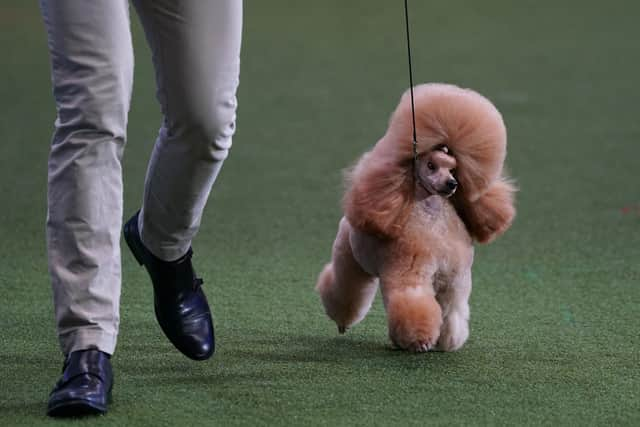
[(76, 408)]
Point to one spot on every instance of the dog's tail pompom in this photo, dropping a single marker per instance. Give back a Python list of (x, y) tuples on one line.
[(463, 120), (377, 199), (491, 214)]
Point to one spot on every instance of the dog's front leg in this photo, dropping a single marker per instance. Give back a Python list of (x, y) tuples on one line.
[(413, 313), (454, 301)]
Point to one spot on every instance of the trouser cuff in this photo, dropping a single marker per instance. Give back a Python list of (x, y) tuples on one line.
[(86, 338)]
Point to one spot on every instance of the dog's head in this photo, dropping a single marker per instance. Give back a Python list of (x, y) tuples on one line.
[(436, 173), (464, 121), (461, 149)]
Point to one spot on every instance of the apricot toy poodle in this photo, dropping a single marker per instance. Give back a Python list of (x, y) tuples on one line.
[(410, 222)]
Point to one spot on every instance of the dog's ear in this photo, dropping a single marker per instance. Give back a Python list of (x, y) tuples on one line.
[(491, 214), (378, 196)]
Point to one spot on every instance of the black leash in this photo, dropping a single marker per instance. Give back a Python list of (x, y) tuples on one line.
[(413, 112)]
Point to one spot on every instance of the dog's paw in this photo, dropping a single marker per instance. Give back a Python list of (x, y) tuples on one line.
[(455, 332), (420, 346), (414, 319), (415, 345), (415, 338)]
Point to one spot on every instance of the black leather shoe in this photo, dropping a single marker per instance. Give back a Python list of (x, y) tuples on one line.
[(85, 386), (180, 304)]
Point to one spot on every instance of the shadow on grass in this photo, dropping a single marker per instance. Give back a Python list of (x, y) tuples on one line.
[(321, 349), (24, 409), (26, 375), (256, 360)]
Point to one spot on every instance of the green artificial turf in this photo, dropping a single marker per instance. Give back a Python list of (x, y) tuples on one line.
[(555, 308)]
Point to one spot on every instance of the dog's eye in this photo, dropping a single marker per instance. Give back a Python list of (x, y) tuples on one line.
[(431, 166), (453, 172)]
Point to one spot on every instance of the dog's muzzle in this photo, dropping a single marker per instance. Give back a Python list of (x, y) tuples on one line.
[(452, 184), (449, 188)]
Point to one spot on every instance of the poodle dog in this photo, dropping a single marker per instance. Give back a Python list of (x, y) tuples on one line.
[(410, 220)]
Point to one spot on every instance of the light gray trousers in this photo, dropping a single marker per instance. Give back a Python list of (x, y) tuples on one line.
[(195, 46)]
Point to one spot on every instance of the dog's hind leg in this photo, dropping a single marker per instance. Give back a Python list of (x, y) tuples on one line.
[(346, 290)]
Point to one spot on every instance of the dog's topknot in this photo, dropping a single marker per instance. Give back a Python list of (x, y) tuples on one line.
[(463, 120)]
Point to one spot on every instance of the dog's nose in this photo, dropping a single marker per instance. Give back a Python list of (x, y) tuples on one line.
[(452, 184)]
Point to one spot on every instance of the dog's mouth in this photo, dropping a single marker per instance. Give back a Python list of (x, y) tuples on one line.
[(447, 192)]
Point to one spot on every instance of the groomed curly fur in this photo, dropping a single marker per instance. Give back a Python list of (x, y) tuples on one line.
[(380, 186), (416, 236)]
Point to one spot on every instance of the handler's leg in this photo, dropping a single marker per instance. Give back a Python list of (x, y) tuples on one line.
[(196, 52), (92, 71)]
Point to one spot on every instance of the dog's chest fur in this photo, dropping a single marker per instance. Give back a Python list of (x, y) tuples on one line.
[(444, 237), (434, 237)]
